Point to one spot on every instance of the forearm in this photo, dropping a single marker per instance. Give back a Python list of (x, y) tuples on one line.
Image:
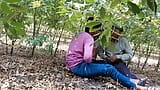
[(102, 55), (124, 57)]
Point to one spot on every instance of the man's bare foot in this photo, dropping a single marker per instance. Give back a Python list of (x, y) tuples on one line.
[(140, 88)]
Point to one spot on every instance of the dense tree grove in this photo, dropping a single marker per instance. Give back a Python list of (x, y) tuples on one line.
[(39, 22)]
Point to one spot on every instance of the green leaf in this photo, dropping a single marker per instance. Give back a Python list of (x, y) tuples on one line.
[(88, 14), (133, 7), (12, 1), (78, 14), (18, 8), (141, 15), (103, 40), (12, 34), (75, 16), (91, 1), (137, 31), (62, 11), (114, 3), (5, 8), (152, 5), (21, 32), (102, 12), (144, 2), (92, 23)]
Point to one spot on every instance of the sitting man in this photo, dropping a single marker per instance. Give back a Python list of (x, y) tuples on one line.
[(118, 53), (79, 60)]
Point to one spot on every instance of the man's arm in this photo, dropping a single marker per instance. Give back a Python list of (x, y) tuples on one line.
[(128, 54), (100, 51), (88, 50)]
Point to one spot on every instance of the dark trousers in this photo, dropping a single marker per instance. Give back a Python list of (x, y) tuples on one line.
[(120, 66)]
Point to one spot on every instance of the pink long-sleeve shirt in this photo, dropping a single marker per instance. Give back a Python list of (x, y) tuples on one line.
[(80, 49)]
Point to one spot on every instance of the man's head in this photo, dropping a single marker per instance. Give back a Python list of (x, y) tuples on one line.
[(116, 32)]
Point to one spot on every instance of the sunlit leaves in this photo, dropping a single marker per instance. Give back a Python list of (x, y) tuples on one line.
[(18, 8), (91, 1), (92, 23), (62, 10), (36, 4), (103, 40), (144, 2), (102, 12), (114, 3), (137, 31), (12, 1), (76, 16), (5, 8), (19, 28), (15, 30), (133, 7)]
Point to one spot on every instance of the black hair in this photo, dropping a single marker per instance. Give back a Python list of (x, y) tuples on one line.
[(117, 27), (87, 29)]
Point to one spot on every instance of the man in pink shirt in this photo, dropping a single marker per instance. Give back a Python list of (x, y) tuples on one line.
[(79, 60)]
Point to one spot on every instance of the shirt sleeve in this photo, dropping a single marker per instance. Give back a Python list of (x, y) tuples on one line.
[(88, 49), (128, 54)]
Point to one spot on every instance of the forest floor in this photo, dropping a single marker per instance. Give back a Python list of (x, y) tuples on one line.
[(44, 72)]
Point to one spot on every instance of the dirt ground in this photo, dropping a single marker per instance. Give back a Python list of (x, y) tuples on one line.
[(44, 72)]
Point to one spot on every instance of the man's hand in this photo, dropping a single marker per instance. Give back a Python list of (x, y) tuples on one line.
[(113, 58)]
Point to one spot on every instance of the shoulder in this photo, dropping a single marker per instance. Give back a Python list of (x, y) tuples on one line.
[(123, 39), (86, 36)]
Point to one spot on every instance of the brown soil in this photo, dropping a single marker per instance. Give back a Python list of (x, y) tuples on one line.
[(44, 72)]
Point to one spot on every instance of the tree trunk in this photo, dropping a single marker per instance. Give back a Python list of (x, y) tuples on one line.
[(34, 31), (139, 56), (13, 42), (6, 42), (148, 53), (157, 66), (58, 42), (39, 26), (136, 46)]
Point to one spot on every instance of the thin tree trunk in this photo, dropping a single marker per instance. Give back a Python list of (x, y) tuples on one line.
[(12, 48), (39, 26), (6, 43), (136, 46), (147, 55), (58, 42), (139, 56), (157, 66), (34, 31)]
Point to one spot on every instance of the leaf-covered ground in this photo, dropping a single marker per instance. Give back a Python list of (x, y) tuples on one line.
[(42, 72)]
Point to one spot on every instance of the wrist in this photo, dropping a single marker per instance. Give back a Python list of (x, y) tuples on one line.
[(118, 56)]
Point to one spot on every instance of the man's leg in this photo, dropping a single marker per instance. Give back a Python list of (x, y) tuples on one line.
[(91, 69), (122, 68)]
